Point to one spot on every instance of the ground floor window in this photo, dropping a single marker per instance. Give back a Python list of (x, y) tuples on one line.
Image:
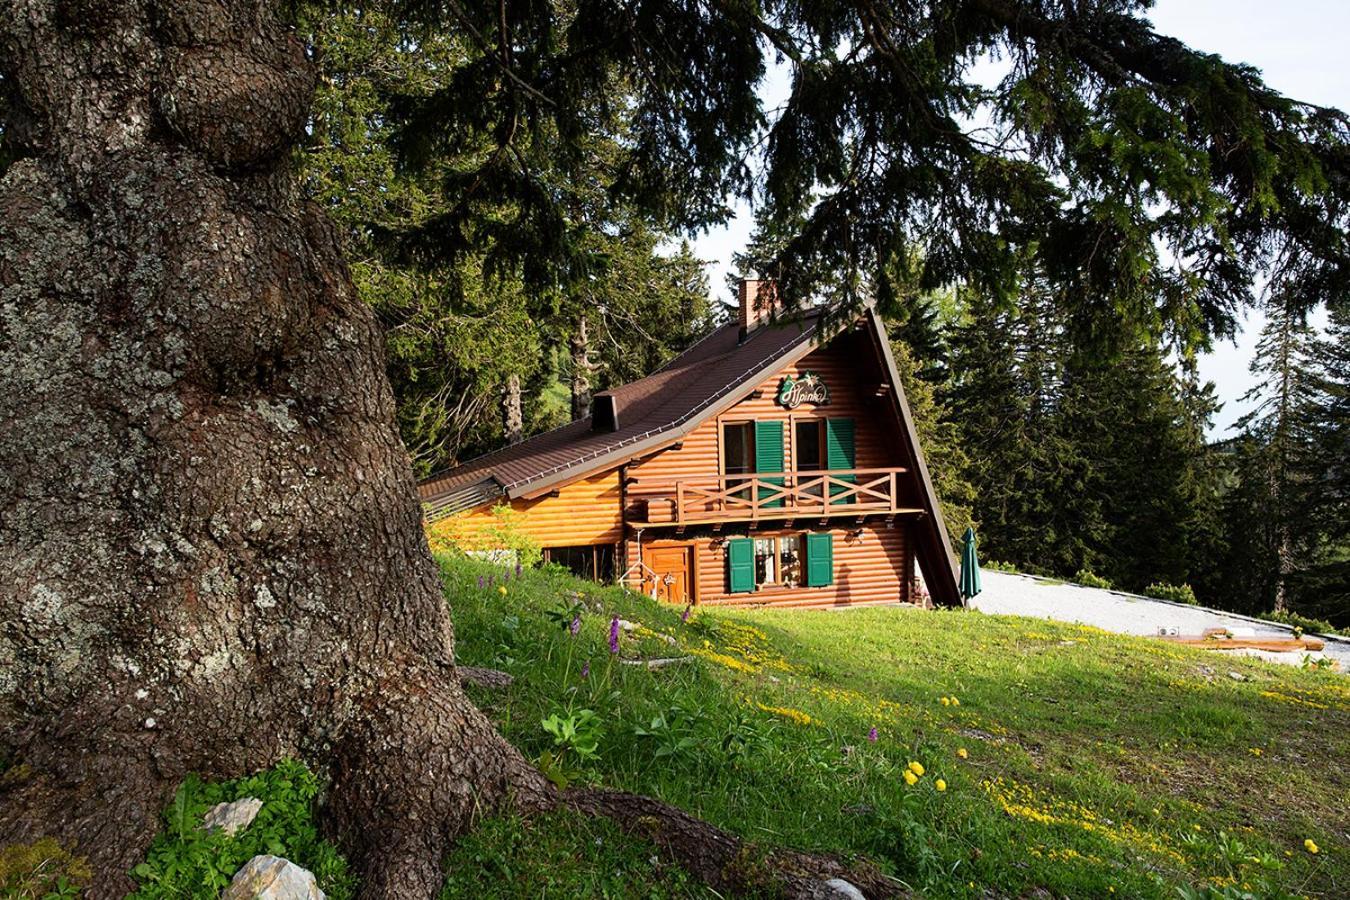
[(595, 563), (774, 562)]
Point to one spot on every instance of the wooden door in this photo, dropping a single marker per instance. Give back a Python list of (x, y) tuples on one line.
[(671, 565)]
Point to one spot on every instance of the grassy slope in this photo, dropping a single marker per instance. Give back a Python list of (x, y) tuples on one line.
[(1097, 764)]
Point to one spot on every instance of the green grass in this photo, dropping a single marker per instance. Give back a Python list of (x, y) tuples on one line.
[(1096, 764)]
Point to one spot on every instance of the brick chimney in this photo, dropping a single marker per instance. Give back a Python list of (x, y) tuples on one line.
[(759, 302)]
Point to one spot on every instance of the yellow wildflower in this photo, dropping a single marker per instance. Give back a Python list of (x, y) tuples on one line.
[(955, 702), (909, 777), (940, 785), (1310, 846), (502, 590), (945, 701), (1255, 751), (961, 752), (916, 767), (787, 712)]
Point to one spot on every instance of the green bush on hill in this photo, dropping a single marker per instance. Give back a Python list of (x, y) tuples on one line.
[(1308, 624), (1087, 578), (1178, 593)]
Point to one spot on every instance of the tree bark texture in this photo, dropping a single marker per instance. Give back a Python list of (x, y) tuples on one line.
[(211, 553), (210, 548), (513, 420), (580, 347)]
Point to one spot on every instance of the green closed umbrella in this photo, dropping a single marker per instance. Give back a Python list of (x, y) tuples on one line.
[(970, 566)]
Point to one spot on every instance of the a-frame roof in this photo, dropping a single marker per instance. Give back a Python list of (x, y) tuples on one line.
[(707, 373), (711, 376)]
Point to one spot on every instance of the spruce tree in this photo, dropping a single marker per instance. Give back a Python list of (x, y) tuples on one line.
[(1276, 464), (1323, 590)]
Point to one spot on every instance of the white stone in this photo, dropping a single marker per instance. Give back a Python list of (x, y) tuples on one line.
[(232, 818), (842, 889), (272, 878)]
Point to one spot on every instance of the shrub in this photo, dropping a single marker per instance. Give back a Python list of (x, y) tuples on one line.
[(1307, 623), (1087, 578), (1177, 593), (995, 566), (185, 861)]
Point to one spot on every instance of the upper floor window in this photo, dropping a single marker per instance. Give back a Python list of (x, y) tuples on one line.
[(738, 448), (808, 445)]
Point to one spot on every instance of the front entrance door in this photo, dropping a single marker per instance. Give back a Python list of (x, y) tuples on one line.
[(671, 565)]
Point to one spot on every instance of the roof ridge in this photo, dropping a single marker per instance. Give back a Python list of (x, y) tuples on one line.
[(679, 420)]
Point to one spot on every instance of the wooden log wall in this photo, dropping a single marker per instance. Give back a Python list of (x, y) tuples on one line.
[(851, 397), (868, 569), (583, 513)]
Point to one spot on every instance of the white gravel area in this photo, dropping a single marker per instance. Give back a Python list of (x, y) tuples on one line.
[(1026, 595)]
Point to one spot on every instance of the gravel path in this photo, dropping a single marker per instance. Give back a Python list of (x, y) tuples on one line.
[(1025, 595)]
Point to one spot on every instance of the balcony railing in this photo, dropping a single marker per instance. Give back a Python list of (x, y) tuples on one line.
[(766, 495)]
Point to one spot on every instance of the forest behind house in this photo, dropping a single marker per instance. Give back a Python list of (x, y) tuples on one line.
[(1079, 448)]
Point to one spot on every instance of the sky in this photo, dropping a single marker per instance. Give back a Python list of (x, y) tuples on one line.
[(1300, 46)]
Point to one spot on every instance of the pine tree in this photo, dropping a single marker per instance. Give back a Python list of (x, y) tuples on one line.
[(1276, 464), (1323, 590), (940, 438), (472, 352)]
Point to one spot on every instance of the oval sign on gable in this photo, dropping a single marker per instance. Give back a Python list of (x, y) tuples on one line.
[(809, 388)]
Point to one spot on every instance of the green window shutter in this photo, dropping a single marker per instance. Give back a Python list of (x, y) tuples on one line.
[(819, 560), (769, 457), (839, 450), (740, 565)]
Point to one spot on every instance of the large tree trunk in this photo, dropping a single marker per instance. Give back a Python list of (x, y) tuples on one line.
[(210, 548), (211, 553)]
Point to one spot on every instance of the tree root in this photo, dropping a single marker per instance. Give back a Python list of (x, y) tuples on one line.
[(722, 860), (488, 678)]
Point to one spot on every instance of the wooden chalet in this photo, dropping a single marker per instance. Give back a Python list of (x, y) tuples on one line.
[(768, 464)]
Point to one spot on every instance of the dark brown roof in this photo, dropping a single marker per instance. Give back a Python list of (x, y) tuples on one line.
[(659, 407)]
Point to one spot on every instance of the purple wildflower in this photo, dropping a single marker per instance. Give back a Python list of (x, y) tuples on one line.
[(518, 570), (586, 669), (575, 626), (481, 582), (684, 616), (614, 635), (872, 735)]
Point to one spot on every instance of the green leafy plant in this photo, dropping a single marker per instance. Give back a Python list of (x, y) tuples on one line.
[(994, 565), (745, 736), (1177, 593), (674, 731), (187, 862), (579, 731), (1318, 663)]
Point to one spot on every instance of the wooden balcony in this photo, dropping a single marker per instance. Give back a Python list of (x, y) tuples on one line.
[(766, 495)]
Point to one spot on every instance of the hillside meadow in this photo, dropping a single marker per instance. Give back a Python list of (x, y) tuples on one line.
[(966, 755)]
